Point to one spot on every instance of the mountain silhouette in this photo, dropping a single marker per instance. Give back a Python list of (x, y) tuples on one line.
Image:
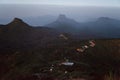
[(28, 52), (17, 21), (103, 27), (64, 24), (19, 35), (17, 25)]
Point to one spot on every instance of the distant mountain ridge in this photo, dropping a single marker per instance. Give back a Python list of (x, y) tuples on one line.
[(103, 27), (64, 24)]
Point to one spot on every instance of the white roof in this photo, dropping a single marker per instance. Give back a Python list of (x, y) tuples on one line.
[(68, 63)]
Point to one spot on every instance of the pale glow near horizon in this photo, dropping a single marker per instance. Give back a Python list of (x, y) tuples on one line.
[(112, 3)]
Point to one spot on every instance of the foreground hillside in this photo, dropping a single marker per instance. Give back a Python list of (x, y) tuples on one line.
[(48, 62), (39, 53)]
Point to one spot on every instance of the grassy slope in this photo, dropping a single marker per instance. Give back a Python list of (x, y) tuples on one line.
[(101, 58)]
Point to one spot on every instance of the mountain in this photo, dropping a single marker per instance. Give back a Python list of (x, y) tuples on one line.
[(64, 24), (19, 35), (103, 27), (15, 29), (34, 21), (39, 53)]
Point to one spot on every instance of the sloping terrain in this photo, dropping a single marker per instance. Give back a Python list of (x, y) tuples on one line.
[(47, 62), (41, 53), (19, 35)]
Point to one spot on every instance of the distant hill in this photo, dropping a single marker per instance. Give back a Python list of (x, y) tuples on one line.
[(64, 24), (103, 27)]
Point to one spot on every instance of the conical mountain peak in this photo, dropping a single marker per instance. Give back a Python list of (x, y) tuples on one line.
[(62, 17), (18, 21)]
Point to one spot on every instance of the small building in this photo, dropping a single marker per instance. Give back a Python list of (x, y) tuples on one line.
[(67, 63)]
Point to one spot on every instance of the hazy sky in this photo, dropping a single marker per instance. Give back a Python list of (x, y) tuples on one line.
[(66, 2), (80, 10)]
